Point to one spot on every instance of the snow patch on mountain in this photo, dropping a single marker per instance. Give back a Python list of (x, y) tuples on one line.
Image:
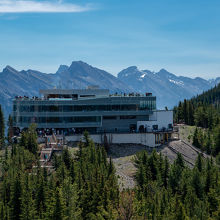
[(176, 82)]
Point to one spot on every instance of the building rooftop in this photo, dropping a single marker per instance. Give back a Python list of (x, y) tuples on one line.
[(78, 94)]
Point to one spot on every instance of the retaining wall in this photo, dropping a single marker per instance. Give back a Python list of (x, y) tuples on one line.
[(147, 139)]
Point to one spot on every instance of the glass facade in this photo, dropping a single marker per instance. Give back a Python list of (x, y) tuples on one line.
[(82, 119), (105, 113), (144, 105), (148, 104)]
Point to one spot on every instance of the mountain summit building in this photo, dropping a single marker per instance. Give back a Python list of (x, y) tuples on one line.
[(71, 112)]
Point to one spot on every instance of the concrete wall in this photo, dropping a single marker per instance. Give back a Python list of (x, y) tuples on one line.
[(120, 125), (160, 118), (147, 139)]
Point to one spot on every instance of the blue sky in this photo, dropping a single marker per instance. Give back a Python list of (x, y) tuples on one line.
[(180, 36)]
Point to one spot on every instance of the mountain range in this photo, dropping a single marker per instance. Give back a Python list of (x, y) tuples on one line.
[(168, 88)]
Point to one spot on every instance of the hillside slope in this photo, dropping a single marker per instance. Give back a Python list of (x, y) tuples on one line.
[(202, 111)]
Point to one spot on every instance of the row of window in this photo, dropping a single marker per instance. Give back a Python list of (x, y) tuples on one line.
[(150, 105), (58, 119), (147, 104), (22, 119), (121, 117)]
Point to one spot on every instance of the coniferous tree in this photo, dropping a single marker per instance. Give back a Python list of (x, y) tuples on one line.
[(197, 183), (10, 129), (58, 207), (69, 195), (217, 141), (28, 209), (196, 139), (2, 128), (185, 112), (32, 139), (179, 112), (180, 212), (15, 199), (180, 161), (199, 163), (190, 113), (166, 172), (140, 176), (208, 144), (66, 158)]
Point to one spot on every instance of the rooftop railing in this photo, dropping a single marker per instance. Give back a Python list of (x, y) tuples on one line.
[(36, 98)]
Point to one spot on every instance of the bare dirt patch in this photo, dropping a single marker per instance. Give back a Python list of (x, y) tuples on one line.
[(122, 156)]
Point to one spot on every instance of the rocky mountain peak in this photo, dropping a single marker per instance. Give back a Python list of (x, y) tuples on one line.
[(79, 63), (9, 69), (163, 71), (165, 74), (61, 69), (79, 66), (130, 71)]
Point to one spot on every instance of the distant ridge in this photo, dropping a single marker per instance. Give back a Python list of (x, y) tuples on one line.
[(77, 75), (168, 87)]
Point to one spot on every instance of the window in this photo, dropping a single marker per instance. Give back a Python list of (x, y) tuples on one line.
[(115, 107), (170, 126), (109, 117), (80, 119), (127, 117), (78, 108), (67, 108), (14, 108), (155, 127), (84, 96), (148, 104), (53, 108)]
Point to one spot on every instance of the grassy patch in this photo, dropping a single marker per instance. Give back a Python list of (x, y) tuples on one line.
[(73, 150), (186, 132)]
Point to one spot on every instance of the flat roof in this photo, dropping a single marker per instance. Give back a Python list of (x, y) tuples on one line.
[(74, 91)]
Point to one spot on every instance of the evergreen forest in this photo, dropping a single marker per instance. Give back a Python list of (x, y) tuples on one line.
[(202, 111), (84, 184)]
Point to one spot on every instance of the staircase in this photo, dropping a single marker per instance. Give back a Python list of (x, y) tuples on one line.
[(52, 144)]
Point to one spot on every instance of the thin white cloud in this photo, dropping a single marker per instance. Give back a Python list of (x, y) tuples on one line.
[(36, 6)]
